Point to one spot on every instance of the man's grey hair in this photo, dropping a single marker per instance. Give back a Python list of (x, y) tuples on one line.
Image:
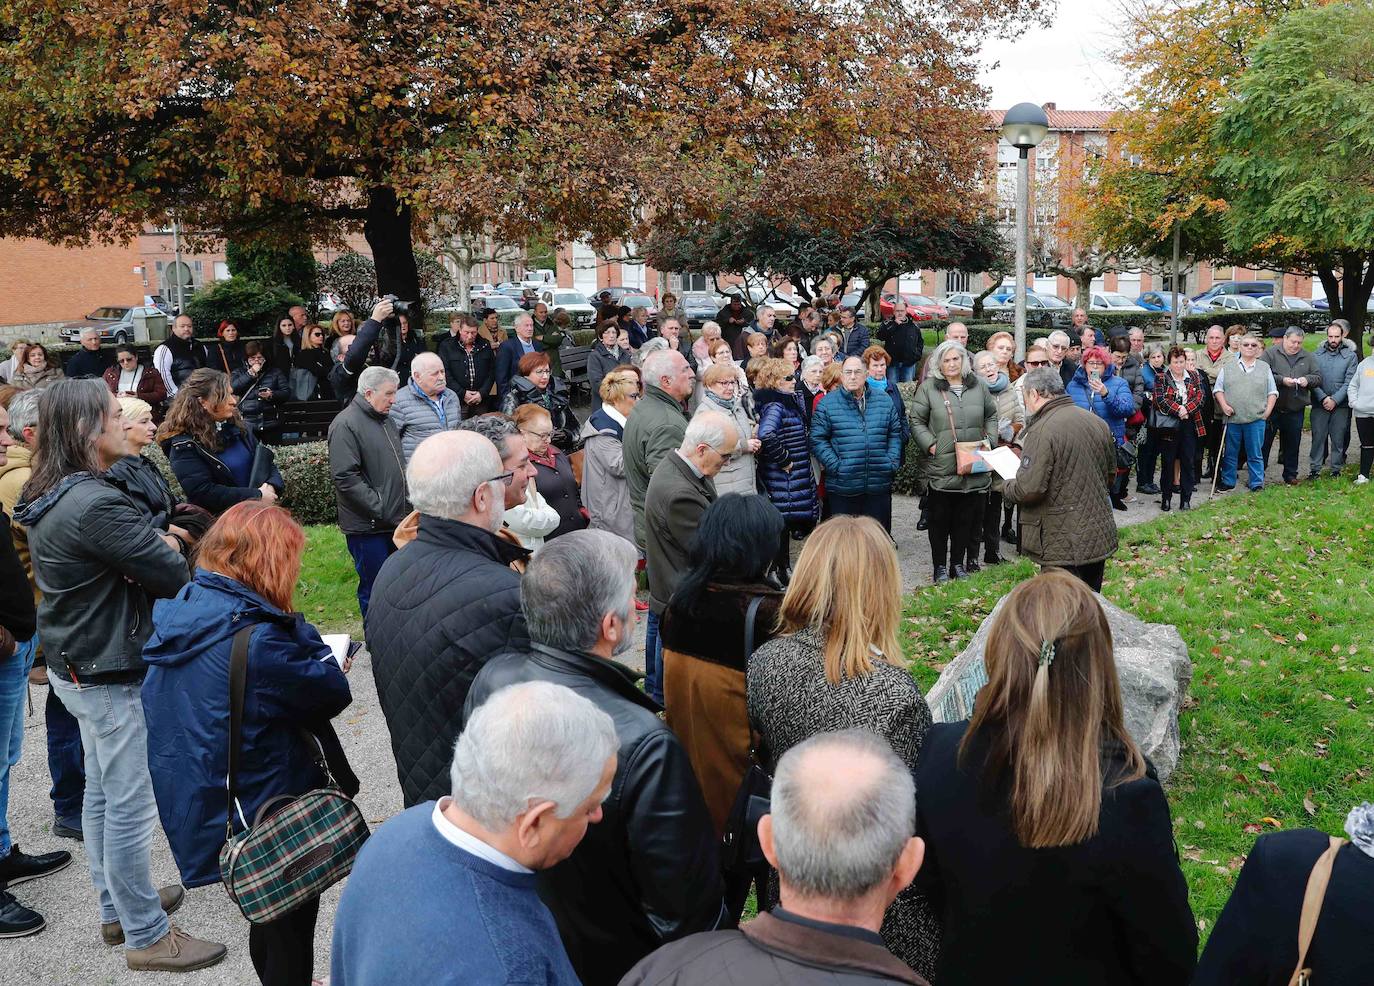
[(707, 428), (944, 349), (523, 317), (1058, 338), (570, 585), (1044, 380), (760, 311), (841, 845), (527, 743), (442, 481), (1252, 337), (1293, 330), (495, 428), (89, 330), (659, 363), (374, 378), (951, 325), (657, 344), (24, 413), (421, 363), (708, 325), (1214, 325)]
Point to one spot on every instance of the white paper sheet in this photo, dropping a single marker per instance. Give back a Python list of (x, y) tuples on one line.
[(1003, 460), (338, 644)]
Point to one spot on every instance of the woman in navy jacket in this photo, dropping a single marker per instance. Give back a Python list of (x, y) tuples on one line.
[(784, 458), (209, 447), (248, 566)]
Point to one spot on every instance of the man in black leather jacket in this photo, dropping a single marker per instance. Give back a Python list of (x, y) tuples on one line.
[(649, 873)]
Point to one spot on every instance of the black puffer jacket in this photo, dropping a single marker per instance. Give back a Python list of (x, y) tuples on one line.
[(648, 872), (368, 469), (441, 608), (99, 563), (205, 479), (138, 479)]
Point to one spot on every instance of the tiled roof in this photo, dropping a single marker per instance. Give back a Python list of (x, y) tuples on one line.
[(1064, 119)]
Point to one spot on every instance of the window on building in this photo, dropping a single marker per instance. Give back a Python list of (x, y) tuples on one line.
[(631, 272), (1223, 273), (957, 281), (1095, 145), (221, 271), (584, 268), (695, 282), (1047, 159)]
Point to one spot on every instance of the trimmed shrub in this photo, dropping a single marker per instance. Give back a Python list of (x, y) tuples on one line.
[(253, 307), (1309, 320)]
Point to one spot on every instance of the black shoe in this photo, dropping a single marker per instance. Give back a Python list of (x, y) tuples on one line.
[(16, 920), (1223, 488), (1008, 535), (972, 565), (941, 575), (1185, 505), (958, 572), (1313, 476), (1164, 505), (1207, 472), (1149, 489), (18, 867), (1118, 503), (992, 558), (923, 522), (64, 831)]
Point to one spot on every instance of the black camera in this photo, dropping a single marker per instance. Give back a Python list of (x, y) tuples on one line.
[(398, 307)]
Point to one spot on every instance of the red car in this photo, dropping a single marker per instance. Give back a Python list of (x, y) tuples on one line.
[(918, 307)]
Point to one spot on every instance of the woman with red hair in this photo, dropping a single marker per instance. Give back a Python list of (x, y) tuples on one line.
[(1097, 387), (247, 566)]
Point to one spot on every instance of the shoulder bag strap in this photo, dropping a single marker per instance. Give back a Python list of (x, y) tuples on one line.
[(1312, 906), (749, 616), (953, 431), (238, 677)]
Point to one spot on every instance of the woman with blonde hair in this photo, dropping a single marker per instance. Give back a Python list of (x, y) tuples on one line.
[(553, 472), (721, 394), (1002, 345), (1046, 830), (838, 665), (605, 493)]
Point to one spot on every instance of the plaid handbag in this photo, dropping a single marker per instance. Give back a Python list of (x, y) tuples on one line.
[(297, 847)]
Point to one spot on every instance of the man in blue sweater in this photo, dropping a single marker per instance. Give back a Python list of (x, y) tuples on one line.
[(445, 892)]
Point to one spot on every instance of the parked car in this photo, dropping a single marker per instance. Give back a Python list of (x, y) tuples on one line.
[(1045, 311), (1289, 302), (620, 292), (1228, 303), (1113, 301), (1254, 289), (961, 303), (700, 306), (781, 303), (504, 306), (481, 290), (645, 302), (919, 307), (115, 322), (575, 303), (1161, 301)]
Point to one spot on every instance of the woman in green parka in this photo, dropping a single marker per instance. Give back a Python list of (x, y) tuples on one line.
[(952, 405)]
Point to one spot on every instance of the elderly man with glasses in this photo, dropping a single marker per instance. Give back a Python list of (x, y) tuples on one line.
[(1245, 392)]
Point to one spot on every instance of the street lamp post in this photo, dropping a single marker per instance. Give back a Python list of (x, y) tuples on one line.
[(1024, 126)]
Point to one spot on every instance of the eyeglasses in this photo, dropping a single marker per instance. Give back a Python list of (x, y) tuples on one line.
[(128, 359), (852, 373), (506, 478), (1037, 362), (543, 435)]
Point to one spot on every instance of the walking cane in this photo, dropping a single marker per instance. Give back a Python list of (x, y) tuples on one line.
[(1221, 454)]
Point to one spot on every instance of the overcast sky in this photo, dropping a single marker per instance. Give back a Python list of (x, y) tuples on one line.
[(1067, 64)]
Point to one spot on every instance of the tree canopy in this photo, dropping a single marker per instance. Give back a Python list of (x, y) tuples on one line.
[(572, 118)]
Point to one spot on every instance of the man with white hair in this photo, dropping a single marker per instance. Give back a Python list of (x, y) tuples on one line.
[(445, 605), (88, 361), (529, 775), (369, 479), (508, 356), (425, 405), (841, 834), (649, 873), (1059, 343)]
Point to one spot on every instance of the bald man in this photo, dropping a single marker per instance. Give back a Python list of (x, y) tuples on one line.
[(425, 406), (444, 606)]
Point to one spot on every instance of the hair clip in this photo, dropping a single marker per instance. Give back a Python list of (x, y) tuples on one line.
[(1046, 653)]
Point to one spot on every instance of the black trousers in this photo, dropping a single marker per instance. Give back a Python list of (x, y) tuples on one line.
[(1090, 574), (283, 951), (989, 532), (1365, 428), (1287, 427), (875, 505), (953, 519), (1180, 448)]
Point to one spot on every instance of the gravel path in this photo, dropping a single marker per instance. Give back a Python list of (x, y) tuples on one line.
[(69, 951)]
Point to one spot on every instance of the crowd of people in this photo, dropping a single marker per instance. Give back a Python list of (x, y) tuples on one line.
[(563, 823)]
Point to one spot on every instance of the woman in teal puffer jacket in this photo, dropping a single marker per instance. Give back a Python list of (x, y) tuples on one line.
[(857, 438), (952, 405)]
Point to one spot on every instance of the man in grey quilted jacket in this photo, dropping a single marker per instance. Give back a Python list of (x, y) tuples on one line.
[(1068, 462)]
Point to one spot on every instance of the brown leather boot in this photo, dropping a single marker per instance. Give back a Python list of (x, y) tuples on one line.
[(175, 951), (169, 897)]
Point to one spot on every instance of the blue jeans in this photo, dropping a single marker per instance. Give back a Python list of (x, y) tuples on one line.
[(14, 680), (901, 372), (120, 812), (653, 660), (66, 762), (369, 552), (1251, 435)]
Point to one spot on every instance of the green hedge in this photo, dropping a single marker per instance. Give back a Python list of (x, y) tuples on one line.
[(305, 469), (1309, 319), (253, 307)]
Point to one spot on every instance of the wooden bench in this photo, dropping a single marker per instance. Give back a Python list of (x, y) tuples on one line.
[(307, 421), (574, 361)]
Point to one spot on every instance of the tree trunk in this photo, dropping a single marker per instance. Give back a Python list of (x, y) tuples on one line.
[(1357, 280), (1084, 280), (388, 233)]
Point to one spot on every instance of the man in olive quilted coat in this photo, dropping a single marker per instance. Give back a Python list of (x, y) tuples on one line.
[(1068, 462)]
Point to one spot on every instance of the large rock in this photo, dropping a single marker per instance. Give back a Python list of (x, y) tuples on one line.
[(1151, 661)]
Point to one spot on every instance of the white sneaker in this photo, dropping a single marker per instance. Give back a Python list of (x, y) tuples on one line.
[(1361, 480)]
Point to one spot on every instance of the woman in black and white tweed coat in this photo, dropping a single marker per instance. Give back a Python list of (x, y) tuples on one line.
[(838, 666)]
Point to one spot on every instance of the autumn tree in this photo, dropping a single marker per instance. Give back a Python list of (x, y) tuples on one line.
[(505, 118)]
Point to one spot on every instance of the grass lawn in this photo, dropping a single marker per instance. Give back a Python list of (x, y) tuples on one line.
[(328, 590), (1271, 592)]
